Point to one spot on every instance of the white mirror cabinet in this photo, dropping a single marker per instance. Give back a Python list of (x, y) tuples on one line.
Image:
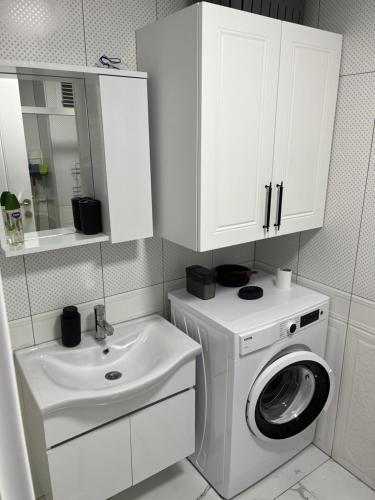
[(68, 131)]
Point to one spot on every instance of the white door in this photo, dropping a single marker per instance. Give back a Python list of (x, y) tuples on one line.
[(13, 148), (309, 74), (239, 73)]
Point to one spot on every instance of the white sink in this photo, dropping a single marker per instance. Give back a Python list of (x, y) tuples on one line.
[(141, 353)]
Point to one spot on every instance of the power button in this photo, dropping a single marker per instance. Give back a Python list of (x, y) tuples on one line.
[(292, 328)]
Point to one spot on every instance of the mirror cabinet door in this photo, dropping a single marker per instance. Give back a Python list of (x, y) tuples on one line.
[(15, 170), (46, 147)]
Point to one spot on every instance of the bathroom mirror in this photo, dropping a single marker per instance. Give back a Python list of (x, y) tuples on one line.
[(44, 138)]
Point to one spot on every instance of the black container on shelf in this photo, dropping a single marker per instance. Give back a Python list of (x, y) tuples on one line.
[(75, 209), (90, 215), (200, 282), (70, 327), (285, 10)]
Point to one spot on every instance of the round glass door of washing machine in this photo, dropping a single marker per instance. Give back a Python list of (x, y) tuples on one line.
[(289, 395)]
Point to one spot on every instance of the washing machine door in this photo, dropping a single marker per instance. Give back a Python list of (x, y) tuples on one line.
[(289, 395)]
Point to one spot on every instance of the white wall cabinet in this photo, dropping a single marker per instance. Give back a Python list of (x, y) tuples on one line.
[(241, 118), (308, 80)]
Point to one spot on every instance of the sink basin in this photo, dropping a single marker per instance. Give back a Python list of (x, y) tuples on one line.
[(141, 354)]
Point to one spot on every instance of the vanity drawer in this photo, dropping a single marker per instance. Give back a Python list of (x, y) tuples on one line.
[(162, 434), (94, 466)]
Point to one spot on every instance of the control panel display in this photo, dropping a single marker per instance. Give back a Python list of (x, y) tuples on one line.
[(309, 318)]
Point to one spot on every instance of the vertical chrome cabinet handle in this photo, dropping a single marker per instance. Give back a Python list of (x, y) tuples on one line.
[(268, 212), (280, 187)]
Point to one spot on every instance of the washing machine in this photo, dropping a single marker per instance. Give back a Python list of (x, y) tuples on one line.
[(262, 380)]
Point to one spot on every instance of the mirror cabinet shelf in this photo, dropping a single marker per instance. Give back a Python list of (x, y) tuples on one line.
[(36, 243), (73, 132)]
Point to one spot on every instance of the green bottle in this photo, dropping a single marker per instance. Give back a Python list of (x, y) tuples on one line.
[(3, 197), (13, 224)]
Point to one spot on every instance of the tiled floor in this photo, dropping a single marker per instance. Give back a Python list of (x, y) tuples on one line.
[(309, 476)]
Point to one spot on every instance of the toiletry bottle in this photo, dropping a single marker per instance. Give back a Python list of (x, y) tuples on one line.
[(13, 224), (70, 326), (3, 197)]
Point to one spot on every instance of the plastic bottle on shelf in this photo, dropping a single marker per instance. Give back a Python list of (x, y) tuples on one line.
[(3, 197), (13, 223)]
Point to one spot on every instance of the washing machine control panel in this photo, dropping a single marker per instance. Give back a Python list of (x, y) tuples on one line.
[(254, 340)]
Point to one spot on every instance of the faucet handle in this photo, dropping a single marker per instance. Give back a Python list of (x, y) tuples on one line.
[(99, 310), (109, 329)]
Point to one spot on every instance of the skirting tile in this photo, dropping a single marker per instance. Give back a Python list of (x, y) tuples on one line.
[(334, 355), (134, 304), (362, 314), (21, 333), (47, 326), (340, 301)]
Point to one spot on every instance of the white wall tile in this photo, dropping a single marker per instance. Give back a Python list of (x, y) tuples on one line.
[(15, 287), (281, 251), (21, 333), (134, 304), (64, 277), (47, 326), (328, 255), (364, 282), (166, 7), (339, 301), (42, 30), (177, 258), (355, 429), (311, 13), (169, 286), (355, 20), (334, 355), (236, 254), (131, 265), (362, 314), (110, 27)]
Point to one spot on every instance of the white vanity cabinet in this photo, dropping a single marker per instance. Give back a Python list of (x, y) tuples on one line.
[(107, 457), (110, 459), (241, 117)]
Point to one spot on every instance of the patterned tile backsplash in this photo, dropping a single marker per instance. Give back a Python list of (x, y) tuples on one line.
[(42, 31), (132, 265), (63, 277), (110, 27), (355, 20), (328, 255)]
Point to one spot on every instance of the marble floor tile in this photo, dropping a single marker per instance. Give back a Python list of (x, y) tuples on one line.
[(179, 482), (329, 482), (286, 476)]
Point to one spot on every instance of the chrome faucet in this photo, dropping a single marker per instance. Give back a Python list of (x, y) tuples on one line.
[(102, 327)]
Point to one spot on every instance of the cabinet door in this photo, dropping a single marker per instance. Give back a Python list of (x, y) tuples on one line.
[(309, 72), (94, 466), (162, 434), (14, 164), (239, 72)]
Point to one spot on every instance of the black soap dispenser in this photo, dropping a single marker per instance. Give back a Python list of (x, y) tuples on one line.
[(70, 326)]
